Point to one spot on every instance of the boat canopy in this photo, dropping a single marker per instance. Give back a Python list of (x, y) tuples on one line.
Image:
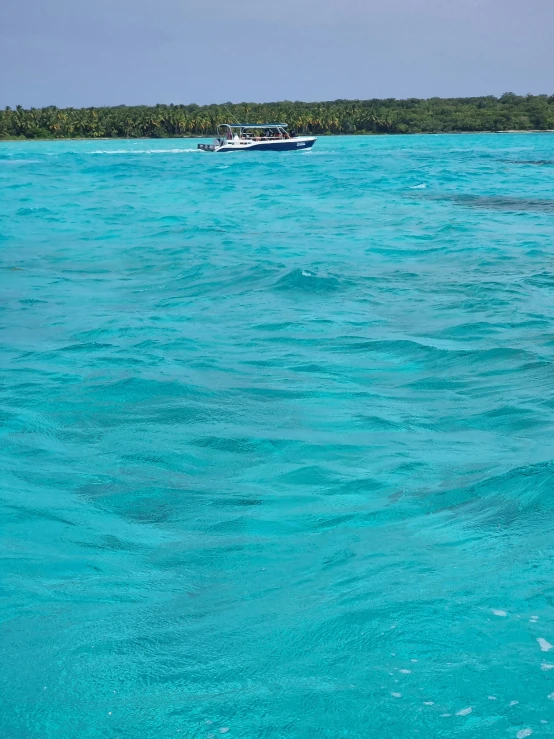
[(255, 125)]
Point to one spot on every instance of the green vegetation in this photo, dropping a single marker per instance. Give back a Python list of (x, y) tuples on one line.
[(509, 112)]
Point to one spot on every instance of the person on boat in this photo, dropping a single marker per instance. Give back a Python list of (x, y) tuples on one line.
[(293, 134)]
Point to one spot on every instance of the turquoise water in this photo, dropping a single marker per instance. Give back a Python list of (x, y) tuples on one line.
[(277, 439)]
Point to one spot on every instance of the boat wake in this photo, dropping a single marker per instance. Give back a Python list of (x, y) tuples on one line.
[(145, 151)]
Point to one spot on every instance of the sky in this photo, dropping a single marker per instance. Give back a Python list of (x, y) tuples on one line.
[(110, 52)]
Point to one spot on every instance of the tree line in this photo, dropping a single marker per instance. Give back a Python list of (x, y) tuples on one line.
[(433, 115)]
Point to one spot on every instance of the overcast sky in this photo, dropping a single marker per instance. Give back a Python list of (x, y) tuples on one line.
[(108, 52)]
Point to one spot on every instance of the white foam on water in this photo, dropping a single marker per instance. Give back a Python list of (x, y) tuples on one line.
[(499, 613), (544, 645), (464, 711), (306, 274), (405, 672), (396, 695), (413, 660), (547, 666), (513, 703), (491, 697), (523, 733), (550, 696), (428, 703), (418, 187), (224, 730), (543, 721), (145, 151)]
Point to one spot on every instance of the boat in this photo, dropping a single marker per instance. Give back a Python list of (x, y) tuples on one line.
[(257, 137)]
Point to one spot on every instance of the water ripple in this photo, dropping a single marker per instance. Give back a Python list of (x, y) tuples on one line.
[(276, 439)]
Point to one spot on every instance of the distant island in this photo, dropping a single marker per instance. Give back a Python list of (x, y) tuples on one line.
[(509, 112)]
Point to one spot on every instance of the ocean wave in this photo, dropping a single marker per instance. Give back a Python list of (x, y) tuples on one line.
[(307, 282)]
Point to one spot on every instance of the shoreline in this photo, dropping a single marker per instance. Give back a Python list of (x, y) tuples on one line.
[(19, 139)]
